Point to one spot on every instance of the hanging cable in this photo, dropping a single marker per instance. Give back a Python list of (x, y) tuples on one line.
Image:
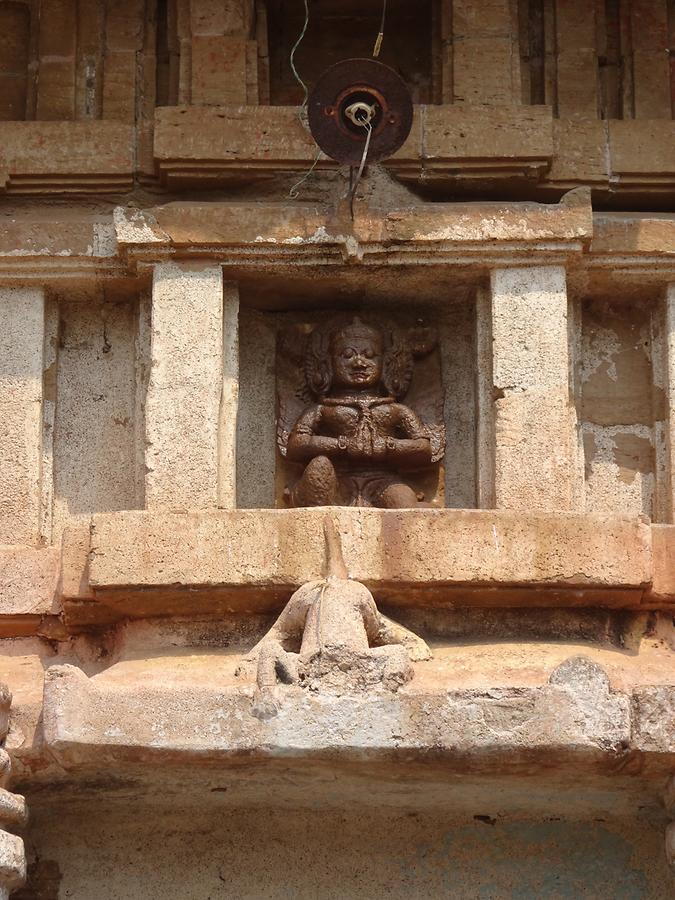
[(364, 157), (380, 36), (292, 57), (294, 193)]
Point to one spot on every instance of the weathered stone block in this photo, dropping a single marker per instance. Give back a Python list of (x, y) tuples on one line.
[(182, 411), (628, 139), (663, 585), (119, 86), (218, 70), (21, 362), (83, 156), (84, 717), (481, 131), (580, 152), (408, 556), (56, 90), (653, 719), (12, 862), (534, 442), (29, 580)]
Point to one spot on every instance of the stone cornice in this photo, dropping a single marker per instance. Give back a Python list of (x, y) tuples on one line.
[(472, 237)]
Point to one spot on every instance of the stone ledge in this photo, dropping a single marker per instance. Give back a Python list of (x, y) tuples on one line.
[(66, 157), (477, 234), (144, 563), (217, 144), (574, 716)]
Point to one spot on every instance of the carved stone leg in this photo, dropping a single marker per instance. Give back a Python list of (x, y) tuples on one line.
[(318, 485), (394, 663), (391, 632), (276, 664)]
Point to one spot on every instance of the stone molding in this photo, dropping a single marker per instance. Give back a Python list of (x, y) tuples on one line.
[(143, 564), (576, 718), (634, 249)]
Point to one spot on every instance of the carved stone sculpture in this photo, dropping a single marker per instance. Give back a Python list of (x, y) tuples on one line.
[(355, 438), (332, 635), (12, 813)]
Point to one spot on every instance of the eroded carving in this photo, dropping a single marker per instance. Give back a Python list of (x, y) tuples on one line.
[(12, 812), (342, 417), (331, 635)]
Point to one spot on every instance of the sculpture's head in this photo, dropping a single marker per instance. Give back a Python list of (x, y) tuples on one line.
[(356, 356)]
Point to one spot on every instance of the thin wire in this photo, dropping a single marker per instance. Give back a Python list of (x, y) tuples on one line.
[(294, 193), (380, 36), (292, 57), (369, 129)]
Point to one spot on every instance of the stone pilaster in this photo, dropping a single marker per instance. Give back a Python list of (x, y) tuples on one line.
[(22, 318), (528, 416), (190, 410)]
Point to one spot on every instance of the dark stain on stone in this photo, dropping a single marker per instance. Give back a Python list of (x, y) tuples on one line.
[(42, 883), (590, 449), (486, 820), (628, 398), (632, 454)]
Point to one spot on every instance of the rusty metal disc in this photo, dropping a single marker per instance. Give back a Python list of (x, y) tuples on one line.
[(359, 81)]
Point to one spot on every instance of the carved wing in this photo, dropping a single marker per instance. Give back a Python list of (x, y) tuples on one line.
[(425, 395), (293, 395)]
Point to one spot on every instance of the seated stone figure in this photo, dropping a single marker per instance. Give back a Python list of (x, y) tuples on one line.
[(358, 438)]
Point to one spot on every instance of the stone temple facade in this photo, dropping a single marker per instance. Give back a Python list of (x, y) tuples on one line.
[(337, 546)]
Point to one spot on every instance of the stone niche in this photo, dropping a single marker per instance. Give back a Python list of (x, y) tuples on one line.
[(274, 393), (342, 30), (622, 407)]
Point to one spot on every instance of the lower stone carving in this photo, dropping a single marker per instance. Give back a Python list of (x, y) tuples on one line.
[(331, 635), (12, 812)]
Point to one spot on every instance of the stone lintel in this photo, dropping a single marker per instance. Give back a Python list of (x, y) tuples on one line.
[(636, 249), (283, 230), (220, 143), (570, 723), (145, 563)]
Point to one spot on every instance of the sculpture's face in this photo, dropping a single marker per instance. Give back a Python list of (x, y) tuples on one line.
[(357, 358)]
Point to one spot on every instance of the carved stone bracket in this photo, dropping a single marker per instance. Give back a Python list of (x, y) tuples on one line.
[(331, 636), (12, 813)]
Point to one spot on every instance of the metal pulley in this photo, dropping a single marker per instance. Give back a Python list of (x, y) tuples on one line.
[(356, 98)]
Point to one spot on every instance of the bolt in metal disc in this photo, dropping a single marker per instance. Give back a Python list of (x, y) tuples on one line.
[(359, 81)]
